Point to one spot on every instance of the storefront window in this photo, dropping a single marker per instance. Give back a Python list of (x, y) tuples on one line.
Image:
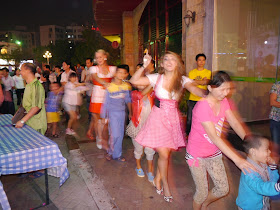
[(246, 44)]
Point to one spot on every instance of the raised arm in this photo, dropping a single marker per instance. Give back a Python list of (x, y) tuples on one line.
[(138, 79), (226, 148)]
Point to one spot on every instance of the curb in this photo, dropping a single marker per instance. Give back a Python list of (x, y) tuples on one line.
[(98, 192)]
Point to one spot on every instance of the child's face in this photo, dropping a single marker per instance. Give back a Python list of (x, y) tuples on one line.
[(263, 153), (121, 74), (200, 61), (73, 79), (54, 87)]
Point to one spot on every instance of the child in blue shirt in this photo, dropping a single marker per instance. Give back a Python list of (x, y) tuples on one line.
[(255, 187), (52, 108), (117, 97)]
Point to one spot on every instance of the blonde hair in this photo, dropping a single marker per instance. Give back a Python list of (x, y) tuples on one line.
[(179, 71), (103, 52)]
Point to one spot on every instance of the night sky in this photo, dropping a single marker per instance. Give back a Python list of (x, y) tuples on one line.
[(33, 13)]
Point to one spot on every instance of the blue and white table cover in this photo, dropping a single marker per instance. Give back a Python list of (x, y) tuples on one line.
[(24, 150)]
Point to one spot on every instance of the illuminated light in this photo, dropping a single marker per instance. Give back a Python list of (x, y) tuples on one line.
[(6, 35), (18, 42), (70, 47), (4, 51), (97, 29), (265, 42)]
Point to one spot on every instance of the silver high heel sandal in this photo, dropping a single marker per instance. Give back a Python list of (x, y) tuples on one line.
[(160, 192), (168, 199)]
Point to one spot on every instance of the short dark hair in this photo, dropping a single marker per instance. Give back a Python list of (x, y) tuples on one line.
[(56, 83), (200, 55), (73, 74), (31, 67), (253, 141), (91, 60), (67, 62), (139, 64), (58, 67), (5, 69), (47, 67), (83, 65), (219, 78), (123, 66)]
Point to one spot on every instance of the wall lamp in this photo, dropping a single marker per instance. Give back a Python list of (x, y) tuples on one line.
[(189, 16)]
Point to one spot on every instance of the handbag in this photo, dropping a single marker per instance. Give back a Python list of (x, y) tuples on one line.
[(21, 112)]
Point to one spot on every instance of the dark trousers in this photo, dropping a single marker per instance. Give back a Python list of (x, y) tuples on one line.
[(8, 107), (88, 98), (275, 134), (19, 93), (191, 105)]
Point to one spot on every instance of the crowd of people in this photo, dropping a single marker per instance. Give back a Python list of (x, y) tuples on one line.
[(145, 107)]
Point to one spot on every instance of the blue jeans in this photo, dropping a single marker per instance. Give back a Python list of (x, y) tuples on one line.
[(275, 133)]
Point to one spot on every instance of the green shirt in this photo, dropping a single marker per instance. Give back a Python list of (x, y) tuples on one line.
[(34, 96)]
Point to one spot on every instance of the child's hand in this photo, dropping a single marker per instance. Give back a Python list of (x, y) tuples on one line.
[(272, 160), (129, 116)]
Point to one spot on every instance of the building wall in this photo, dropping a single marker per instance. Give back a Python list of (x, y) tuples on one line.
[(49, 34), (198, 37), (130, 45)]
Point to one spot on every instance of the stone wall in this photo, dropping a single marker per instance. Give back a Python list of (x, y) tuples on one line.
[(127, 42), (130, 49), (198, 37)]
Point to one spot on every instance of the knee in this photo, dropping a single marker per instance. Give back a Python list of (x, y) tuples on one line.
[(149, 153), (221, 191), (200, 195), (138, 151)]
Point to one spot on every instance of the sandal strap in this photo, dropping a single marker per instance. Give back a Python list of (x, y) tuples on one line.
[(168, 198)]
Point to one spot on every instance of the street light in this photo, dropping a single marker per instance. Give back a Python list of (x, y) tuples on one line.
[(47, 55)]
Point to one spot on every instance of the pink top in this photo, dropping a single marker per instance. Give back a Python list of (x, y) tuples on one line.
[(199, 144)]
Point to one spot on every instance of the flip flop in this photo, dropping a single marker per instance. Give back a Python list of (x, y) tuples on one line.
[(108, 157), (90, 137), (120, 159), (55, 136)]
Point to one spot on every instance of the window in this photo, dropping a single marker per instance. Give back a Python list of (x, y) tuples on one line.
[(50, 29), (160, 28)]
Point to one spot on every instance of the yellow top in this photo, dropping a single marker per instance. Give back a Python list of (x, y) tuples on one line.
[(118, 88), (199, 75)]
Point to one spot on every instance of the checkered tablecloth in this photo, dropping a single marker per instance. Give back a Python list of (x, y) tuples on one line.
[(25, 150)]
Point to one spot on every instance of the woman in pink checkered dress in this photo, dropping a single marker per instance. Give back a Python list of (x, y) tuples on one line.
[(163, 129)]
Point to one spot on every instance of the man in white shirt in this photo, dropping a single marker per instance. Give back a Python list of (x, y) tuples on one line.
[(67, 71), (8, 106)]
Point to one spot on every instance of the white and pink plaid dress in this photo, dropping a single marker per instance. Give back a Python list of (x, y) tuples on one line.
[(163, 127)]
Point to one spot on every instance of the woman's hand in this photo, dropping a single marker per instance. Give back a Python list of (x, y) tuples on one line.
[(146, 60), (244, 165)]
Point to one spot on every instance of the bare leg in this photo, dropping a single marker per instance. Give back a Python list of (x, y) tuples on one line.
[(150, 166), (72, 120), (164, 154), (54, 127), (91, 125), (138, 163), (105, 137), (210, 198)]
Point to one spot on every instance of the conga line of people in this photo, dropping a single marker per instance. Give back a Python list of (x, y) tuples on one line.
[(150, 102)]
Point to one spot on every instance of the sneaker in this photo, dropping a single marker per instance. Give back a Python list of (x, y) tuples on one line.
[(150, 177), (69, 132), (139, 172)]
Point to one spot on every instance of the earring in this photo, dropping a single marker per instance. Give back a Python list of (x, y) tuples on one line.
[(105, 59)]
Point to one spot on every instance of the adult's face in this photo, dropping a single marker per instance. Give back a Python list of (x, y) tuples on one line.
[(5, 73), (65, 66), (100, 58), (88, 63), (17, 72), (24, 72)]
